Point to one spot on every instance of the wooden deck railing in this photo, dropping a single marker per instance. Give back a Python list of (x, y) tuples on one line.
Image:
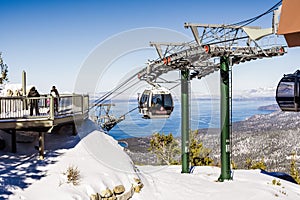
[(19, 107)]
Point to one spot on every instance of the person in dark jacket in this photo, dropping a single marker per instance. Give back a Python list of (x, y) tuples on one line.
[(34, 103), (54, 93)]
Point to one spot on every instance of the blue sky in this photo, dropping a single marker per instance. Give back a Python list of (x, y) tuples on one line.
[(50, 40)]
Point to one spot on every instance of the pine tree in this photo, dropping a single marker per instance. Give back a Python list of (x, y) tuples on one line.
[(294, 171), (199, 155), (234, 165), (165, 147), (4, 71), (256, 164)]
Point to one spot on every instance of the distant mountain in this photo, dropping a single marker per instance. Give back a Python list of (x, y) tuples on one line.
[(269, 92), (273, 107), (266, 93), (255, 93)]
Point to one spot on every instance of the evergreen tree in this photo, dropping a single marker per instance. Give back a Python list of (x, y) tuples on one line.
[(4, 71), (199, 155), (294, 171), (234, 165), (250, 164), (165, 147)]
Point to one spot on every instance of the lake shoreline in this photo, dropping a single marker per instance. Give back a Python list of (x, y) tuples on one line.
[(205, 114)]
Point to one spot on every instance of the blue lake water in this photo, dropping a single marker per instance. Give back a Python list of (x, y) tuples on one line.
[(203, 114)]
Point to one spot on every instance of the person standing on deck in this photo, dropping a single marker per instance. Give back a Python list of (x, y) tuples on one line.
[(54, 93), (34, 103)]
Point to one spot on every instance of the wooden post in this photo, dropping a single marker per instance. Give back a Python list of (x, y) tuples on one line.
[(41, 145), (13, 141), (74, 131)]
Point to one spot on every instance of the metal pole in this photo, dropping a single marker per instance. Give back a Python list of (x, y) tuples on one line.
[(25, 106), (185, 118), (225, 117), (24, 82)]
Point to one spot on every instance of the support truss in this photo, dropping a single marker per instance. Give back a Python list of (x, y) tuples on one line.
[(239, 43)]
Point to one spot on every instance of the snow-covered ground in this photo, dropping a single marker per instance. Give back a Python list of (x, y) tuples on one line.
[(102, 164)]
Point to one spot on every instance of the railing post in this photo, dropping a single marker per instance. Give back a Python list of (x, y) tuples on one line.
[(82, 104), (51, 108), (87, 99)]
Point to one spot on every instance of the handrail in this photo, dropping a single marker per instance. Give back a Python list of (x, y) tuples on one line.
[(18, 107)]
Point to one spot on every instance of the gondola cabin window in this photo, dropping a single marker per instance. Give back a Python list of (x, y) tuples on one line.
[(286, 89), (156, 103), (144, 99)]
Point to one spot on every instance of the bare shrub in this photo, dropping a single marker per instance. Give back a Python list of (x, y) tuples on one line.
[(73, 175)]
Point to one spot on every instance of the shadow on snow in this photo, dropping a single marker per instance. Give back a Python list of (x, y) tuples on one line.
[(20, 170)]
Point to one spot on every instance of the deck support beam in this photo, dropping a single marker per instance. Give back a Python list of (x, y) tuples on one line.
[(41, 145), (74, 128), (13, 141)]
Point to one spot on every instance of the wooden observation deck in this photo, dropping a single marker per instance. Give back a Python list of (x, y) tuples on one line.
[(15, 115)]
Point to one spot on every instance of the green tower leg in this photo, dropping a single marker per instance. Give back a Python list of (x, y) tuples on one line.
[(185, 120), (225, 117)]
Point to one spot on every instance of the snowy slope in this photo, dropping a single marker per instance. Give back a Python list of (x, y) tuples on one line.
[(169, 183), (103, 164)]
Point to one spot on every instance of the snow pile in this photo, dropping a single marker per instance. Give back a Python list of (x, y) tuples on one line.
[(101, 162)]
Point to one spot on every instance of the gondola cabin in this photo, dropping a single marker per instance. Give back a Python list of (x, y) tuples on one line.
[(156, 103), (288, 92)]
